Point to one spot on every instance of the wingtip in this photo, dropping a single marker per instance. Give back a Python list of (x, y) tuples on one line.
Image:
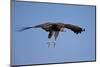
[(83, 30)]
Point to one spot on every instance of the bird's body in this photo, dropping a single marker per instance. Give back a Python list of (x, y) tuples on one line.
[(55, 28), (52, 26)]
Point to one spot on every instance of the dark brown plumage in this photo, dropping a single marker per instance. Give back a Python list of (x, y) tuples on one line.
[(55, 28)]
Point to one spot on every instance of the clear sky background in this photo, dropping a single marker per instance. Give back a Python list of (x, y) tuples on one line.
[(30, 46)]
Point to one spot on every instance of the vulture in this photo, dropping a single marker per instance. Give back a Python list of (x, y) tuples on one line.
[(55, 28)]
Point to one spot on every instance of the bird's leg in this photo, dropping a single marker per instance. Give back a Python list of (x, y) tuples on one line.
[(48, 43), (50, 38), (51, 42), (54, 43)]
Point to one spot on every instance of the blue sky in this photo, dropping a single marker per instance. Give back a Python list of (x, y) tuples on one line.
[(30, 46)]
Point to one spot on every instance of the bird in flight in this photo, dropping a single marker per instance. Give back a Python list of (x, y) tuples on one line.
[(55, 28)]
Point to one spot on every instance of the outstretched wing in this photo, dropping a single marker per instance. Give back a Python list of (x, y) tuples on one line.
[(25, 28), (74, 28)]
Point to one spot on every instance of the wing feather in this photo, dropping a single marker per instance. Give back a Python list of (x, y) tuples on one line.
[(25, 28), (74, 28)]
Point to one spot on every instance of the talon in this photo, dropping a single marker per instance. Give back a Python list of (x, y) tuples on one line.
[(51, 43), (48, 44), (54, 44)]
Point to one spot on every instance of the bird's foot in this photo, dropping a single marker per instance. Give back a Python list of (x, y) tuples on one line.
[(51, 43)]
